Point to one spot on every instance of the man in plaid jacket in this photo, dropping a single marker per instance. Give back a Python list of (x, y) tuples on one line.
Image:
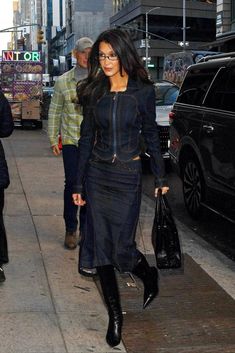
[(64, 118)]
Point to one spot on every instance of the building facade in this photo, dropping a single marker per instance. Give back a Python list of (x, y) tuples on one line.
[(225, 26), (29, 17), (62, 23), (70, 20), (85, 19), (169, 26)]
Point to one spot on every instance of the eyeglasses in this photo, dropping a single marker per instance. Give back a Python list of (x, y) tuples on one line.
[(111, 57)]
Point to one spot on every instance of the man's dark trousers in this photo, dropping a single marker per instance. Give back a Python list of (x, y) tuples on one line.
[(70, 158)]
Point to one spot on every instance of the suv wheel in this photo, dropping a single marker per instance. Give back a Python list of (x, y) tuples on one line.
[(192, 188)]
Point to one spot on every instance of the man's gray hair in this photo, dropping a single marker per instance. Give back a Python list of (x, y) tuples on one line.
[(83, 43)]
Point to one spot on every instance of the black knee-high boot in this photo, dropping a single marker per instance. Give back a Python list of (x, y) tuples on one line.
[(110, 291), (3, 238), (149, 277)]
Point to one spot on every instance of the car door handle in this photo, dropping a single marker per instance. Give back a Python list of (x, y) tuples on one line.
[(208, 128)]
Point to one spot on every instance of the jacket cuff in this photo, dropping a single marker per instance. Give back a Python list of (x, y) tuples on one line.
[(77, 189), (160, 182), (53, 142)]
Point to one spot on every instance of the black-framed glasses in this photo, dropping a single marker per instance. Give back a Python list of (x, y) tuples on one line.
[(111, 57)]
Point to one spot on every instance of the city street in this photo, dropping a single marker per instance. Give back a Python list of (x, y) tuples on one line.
[(186, 51), (47, 307)]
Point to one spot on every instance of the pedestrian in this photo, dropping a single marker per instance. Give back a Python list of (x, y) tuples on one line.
[(6, 129), (118, 103), (64, 119)]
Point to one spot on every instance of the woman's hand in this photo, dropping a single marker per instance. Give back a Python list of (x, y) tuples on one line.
[(77, 199), (164, 190)]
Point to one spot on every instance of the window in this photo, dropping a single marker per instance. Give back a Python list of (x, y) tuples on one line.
[(196, 85), (70, 16), (166, 94), (222, 92), (229, 96), (119, 4), (170, 27)]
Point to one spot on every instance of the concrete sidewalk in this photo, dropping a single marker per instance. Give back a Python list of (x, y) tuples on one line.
[(45, 305)]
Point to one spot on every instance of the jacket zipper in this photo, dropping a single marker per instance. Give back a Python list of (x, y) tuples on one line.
[(115, 99)]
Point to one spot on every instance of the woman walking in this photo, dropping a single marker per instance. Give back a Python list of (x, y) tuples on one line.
[(118, 103)]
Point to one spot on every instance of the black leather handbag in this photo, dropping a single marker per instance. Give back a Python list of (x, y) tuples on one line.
[(165, 238)]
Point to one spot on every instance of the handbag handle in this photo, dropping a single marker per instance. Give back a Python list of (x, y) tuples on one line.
[(162, 208), (158, 207)]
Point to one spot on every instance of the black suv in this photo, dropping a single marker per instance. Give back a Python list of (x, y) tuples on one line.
[(202, 136)]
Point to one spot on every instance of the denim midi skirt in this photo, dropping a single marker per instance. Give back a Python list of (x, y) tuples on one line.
[(113, 196)]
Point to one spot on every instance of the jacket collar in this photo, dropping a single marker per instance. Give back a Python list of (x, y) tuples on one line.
[(133, 84)]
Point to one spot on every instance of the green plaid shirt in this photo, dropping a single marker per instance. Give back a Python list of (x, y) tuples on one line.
[(64, 116)]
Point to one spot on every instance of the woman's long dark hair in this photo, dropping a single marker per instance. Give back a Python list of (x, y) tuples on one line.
[(97, 83)]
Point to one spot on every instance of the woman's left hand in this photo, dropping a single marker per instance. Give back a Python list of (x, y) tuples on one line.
[(164, 189), (78, 200)]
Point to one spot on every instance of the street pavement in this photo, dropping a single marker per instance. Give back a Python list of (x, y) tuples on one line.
[(45, 305)]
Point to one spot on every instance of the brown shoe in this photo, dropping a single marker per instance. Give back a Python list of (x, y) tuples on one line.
[(70, 241)]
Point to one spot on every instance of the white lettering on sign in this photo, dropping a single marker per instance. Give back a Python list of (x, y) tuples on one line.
[(13, 55)]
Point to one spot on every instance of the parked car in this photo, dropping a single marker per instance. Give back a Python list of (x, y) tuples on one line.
[(166, 94), (202, 133), (46, 100)]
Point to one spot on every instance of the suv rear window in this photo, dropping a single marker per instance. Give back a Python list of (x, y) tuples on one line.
[(195, 85), (222, 92)]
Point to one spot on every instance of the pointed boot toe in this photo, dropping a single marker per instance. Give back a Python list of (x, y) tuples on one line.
[(149, 277), (151, 288)]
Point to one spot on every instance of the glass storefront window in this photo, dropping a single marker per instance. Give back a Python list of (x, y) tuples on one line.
[(119, 4), (170, 27)]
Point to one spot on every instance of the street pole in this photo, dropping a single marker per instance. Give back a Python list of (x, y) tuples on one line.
[(146, 41), (147, 35), (184, 26)]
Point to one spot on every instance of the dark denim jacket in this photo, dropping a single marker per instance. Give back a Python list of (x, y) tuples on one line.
[(111, 130), (6, 128), (6, 120)]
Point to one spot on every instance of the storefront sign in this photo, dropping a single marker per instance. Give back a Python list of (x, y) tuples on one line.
[(219, 19), (16, 55)]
